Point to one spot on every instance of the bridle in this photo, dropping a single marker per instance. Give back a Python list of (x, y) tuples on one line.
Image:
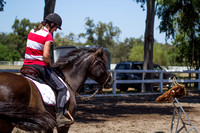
[(95, 60)]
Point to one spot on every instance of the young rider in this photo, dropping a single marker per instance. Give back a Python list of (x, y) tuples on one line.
[(37, 55)]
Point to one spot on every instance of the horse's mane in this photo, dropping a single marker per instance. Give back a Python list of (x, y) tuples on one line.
[(75, 55)]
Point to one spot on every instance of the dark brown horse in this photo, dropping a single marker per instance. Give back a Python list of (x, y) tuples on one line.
[(21, 104)]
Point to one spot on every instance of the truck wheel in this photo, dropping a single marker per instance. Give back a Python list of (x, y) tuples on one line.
[(123, 88), (86, 88), (155, 89), (138, 87)]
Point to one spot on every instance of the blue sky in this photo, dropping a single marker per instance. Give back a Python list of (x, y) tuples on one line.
[(125, 14)]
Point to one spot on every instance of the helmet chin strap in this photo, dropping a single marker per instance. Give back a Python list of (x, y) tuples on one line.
[(51, 27)]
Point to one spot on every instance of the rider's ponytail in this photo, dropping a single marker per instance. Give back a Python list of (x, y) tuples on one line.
[(41, 25)]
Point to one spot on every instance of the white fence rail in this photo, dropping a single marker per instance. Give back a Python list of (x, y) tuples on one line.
[(160, 80)]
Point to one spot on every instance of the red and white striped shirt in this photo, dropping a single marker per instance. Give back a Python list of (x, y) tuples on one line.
[(35, 45)]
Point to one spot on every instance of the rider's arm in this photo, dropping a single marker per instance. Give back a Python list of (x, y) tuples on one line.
[(46, 53)]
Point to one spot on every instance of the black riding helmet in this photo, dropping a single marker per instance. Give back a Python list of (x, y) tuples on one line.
[(55, 18)]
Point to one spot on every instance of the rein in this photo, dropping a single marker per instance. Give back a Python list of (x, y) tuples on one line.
[(91, 96)]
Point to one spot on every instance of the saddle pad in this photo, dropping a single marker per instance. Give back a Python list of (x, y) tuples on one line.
[(46, 92)]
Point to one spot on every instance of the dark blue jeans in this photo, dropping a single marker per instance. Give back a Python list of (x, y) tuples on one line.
[(55, 83)]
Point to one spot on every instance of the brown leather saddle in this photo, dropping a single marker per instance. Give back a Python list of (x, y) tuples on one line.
[(30, 71), (34, 73)]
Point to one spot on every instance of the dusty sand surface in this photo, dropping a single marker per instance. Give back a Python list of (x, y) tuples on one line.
[(132, 114)]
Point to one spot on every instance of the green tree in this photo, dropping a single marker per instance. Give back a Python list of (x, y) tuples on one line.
[(122, 51), (90, 31), (68, 40), (13, 41), (4, 56), (179, 16), (14, 56), (119, 52), (21, 30), (2, 3), (137, 53), (17, 39), (100, 30), (187, 51), (100, 33), (111, 36), (8, 55), (180, 21), (160, 55), (4, 38)]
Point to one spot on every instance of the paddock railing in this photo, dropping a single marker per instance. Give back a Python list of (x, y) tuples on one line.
[(160, 80)]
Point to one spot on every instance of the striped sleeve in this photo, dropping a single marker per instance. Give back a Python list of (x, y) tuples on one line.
[(49, 38)]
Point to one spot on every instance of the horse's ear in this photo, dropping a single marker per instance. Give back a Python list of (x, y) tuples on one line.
[(99, 51)]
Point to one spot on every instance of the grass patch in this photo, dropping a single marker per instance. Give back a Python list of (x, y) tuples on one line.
[(9, 67)]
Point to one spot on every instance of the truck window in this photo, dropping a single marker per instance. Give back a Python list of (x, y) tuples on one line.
[(122, 67)]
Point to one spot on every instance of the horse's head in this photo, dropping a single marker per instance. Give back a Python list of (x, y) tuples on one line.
[(98, 71), (80, 64)]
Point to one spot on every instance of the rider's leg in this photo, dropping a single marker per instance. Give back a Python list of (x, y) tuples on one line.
[(53, 81)]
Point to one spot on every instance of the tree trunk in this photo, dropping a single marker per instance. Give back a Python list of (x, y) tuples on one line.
[(148, 45), (49, 8)]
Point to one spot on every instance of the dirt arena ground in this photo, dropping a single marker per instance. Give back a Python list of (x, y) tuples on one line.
[(132, 114)]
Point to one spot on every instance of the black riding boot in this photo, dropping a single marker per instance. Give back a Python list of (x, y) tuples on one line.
[(60, 118)]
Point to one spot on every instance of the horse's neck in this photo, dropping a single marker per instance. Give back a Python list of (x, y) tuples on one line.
[(76, 76)]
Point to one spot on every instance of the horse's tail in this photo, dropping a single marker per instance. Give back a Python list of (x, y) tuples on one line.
[(26, 118)]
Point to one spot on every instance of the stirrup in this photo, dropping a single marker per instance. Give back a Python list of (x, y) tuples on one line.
[(68, 123), (70, 116)]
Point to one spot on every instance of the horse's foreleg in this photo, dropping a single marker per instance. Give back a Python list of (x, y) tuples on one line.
[(5, 127), (63, 129), (51, 131)]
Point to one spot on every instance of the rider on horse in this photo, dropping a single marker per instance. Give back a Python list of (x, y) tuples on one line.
[(37, 55)]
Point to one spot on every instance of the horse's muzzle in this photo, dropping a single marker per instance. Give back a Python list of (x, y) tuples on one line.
[(109, 83)]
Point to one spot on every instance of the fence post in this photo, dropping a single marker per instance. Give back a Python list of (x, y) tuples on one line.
[(198, 82), (114, 84), (161, 81)]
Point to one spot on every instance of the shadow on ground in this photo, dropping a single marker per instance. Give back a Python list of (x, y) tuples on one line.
[(102, 108)]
